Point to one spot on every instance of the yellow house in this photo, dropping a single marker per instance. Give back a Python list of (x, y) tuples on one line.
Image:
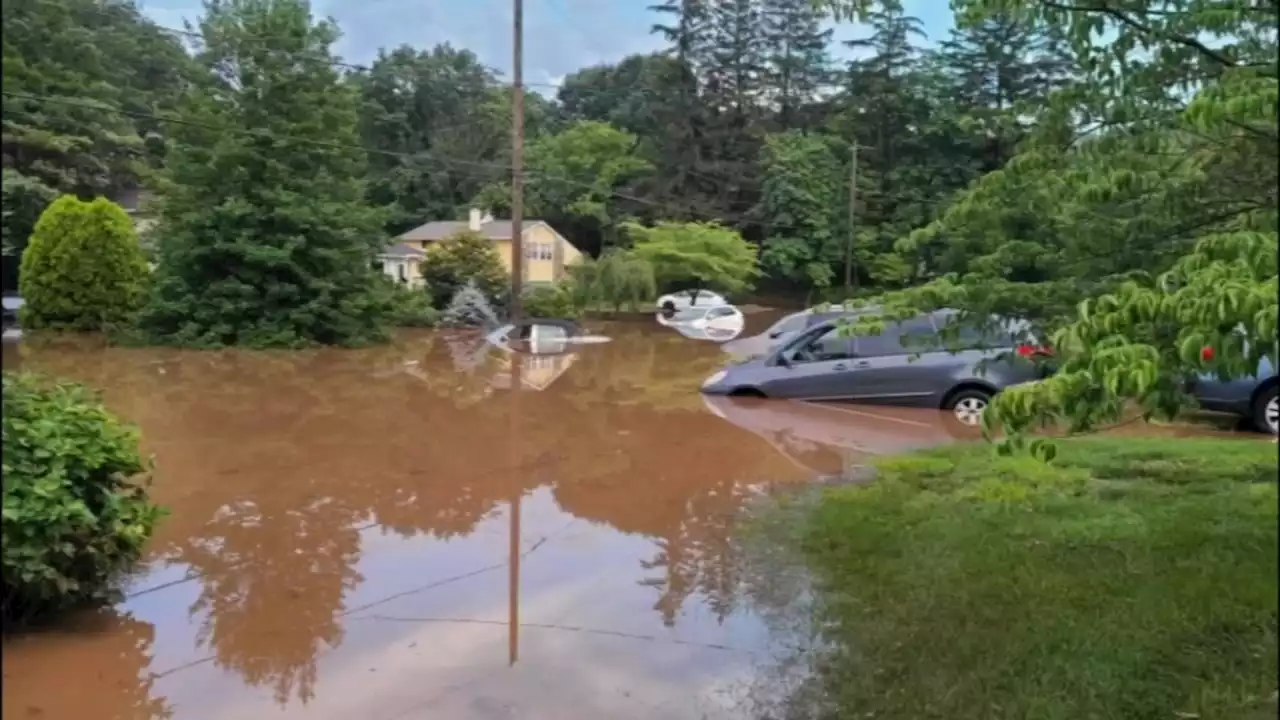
[(546, 252)]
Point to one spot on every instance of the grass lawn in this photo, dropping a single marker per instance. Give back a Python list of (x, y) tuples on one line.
[(1133, 578)]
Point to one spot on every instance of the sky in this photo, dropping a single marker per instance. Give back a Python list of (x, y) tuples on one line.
[(561, 36)]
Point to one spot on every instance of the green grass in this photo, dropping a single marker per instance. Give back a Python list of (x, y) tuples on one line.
[(1133, 578)]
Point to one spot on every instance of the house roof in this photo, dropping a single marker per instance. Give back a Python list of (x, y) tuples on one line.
[(400, 250), (441, 229)]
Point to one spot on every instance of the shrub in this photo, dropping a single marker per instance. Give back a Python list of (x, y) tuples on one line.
[(83, 268), (469, 309), (550, 301), (410, 307), (73, 516), (463, 257)]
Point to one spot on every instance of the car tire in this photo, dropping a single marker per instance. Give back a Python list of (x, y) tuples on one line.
[(1266, 411), (966, 406)]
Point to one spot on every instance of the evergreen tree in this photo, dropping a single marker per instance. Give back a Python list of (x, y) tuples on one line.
[(1001, 65), (469, 308), (266, 239), (797, 64), (83, 269), (735, 68), (886, 111), (689, 33), (732, 91), (681, 149)]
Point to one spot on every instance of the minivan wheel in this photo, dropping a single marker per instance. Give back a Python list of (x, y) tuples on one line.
[(1266, 411), (968, 405)]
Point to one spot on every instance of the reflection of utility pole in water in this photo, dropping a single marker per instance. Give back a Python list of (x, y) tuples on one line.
[(513, 580)]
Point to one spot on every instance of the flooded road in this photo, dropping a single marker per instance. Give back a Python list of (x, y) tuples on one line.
[(391, 533)]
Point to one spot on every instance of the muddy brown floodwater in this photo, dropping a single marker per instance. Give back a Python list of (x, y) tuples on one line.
[(391, 533)]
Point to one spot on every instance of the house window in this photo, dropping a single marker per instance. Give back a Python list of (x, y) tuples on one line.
[(538, 251)]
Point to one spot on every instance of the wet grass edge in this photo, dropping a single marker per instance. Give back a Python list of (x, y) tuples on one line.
[(1132, 578)]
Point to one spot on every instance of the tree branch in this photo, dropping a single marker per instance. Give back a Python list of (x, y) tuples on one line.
[(1141, 27)]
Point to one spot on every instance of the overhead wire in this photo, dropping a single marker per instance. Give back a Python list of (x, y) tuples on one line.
[(739, 213), (415, 156)]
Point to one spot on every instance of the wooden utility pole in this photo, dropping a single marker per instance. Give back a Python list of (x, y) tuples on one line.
[(853, 217), (517, 159), (517, 359)]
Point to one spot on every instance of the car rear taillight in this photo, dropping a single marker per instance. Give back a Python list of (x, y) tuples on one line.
[(1028, 351)]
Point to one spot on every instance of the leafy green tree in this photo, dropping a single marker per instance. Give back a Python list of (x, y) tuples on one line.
[(701, 255), (624, 279), (653, 97), (441, 111), (465, 257), (24, 198), (800, 200), (92, 60), (78, 76), (573, 177), (550, 301), (83, 269), (1142, 244), (74, 515), (265, 237)]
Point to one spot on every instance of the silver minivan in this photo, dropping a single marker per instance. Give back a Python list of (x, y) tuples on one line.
[(825, 362)]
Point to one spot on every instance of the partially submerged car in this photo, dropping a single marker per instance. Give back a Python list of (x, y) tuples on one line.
[(1252, 397), (536, 336), (685, 299), (896, 367), (788, 327), (726, 321)]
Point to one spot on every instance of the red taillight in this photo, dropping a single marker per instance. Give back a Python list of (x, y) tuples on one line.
[(1027, 351)]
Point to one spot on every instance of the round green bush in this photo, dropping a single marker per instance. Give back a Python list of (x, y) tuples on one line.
[(74, 515), (549, 301), (410, 307), (83, 268), (461, 258)]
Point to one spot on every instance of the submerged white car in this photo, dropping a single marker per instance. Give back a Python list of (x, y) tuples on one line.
[(689, 298), (721, 323)]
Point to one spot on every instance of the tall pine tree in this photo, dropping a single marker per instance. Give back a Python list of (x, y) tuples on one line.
[(999, 65), (266, 238), (798, 64)]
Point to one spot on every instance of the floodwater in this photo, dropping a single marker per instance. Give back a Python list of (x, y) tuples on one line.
[(392, 533)]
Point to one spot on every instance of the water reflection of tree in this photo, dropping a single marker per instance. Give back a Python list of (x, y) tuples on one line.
[(661, 480), (118, 649), (270, 464)]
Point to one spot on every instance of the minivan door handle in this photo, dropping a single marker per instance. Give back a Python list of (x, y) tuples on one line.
[(862, 364)]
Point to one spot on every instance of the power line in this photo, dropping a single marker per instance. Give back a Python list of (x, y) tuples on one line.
[(417, 156), (641, 91)]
